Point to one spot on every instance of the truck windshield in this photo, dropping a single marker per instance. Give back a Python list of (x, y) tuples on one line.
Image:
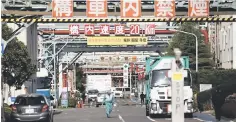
[(160, 78)]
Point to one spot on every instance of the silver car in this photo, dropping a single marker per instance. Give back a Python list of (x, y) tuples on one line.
[(31, 107)]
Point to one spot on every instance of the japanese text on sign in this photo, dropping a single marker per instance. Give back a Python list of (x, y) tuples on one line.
[(96, 8), (164, 8), (74, 29), (198, 8), (125, 75), (130, 8), (89, 29), (62, 8), (119, 29), (117, 41), (150, 29), (104, 29)]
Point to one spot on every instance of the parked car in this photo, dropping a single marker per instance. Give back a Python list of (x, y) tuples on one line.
[(100, 98), (31, 107)]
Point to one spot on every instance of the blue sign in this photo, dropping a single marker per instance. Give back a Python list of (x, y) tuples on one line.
[(13, 99), (64, 103)]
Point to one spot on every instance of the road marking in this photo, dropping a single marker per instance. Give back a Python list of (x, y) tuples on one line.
[(120, 117), (199, 119), (151, 119)]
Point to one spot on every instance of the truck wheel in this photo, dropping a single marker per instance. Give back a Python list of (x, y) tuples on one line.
[(188, 115), (151, 115), (147, 110)]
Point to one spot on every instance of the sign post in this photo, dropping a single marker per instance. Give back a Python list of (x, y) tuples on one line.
[(177, 88), (125, 75)]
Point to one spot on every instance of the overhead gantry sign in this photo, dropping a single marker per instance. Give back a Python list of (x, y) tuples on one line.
[(119, 20), (130, 11)]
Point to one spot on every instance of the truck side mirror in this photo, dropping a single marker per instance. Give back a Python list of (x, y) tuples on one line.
[(146, 77)]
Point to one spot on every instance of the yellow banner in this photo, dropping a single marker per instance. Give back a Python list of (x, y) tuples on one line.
[(117, 41)]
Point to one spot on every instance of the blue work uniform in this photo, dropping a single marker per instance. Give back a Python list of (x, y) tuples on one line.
[(108, 100)]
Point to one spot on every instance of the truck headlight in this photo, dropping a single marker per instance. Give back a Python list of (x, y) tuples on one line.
[(154, 106), (190, 106)]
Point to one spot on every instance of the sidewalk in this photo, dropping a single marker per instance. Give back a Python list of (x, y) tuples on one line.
[(223, 119)]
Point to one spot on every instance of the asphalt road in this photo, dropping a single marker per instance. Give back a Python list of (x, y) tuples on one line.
[(119, 114)]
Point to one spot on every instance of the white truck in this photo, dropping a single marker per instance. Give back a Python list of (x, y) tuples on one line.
[(158, 86), (96, 87), (99, 82)]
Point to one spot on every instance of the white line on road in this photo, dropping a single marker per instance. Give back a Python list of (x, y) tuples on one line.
[(120, 117), (199, 119), (151, 119)]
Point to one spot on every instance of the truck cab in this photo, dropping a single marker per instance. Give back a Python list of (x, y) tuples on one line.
[(158, 88)]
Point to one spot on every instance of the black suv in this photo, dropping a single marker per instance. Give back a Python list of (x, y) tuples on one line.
[(31, 107)]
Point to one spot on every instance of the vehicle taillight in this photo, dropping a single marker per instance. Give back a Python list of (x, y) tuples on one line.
[(45, 108), (13, 108)]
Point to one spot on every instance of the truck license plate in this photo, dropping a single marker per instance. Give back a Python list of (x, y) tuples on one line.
[(29, 111)]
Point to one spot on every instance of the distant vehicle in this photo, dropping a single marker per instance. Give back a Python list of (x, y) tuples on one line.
[(31, 107), (100, 98), (120, 92), (92, 95)]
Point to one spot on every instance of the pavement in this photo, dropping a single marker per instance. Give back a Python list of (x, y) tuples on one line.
[(126, 110), (120, 114)]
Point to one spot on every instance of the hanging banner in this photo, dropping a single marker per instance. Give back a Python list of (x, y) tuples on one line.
[(117, 41), (198, 8), (130, 8), (62, 8), (164, 8), (96, 8), (125, 75)]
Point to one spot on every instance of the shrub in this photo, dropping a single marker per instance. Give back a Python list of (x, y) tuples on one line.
[(72, 102)]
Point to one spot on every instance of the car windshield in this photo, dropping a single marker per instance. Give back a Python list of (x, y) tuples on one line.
[(37, 100), (91, 92), (101, 94), (160, 78), (118, 89)]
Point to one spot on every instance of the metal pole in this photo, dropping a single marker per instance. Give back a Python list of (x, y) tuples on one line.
[(196, 53), (67, 83), (54, 68), (32, 83), (196, 45), (130, 83)]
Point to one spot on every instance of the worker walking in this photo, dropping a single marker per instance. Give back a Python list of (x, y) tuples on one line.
[(218, 99), (109, 100), (142, 96)]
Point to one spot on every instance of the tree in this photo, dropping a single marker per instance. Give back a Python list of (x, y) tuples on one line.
[(16, 63), (186, 43), (80, 80)]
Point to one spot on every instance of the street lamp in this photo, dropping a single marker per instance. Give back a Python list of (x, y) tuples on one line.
[(196, 45)]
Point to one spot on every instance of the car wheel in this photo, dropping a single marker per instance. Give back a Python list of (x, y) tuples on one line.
[(152, 115)]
